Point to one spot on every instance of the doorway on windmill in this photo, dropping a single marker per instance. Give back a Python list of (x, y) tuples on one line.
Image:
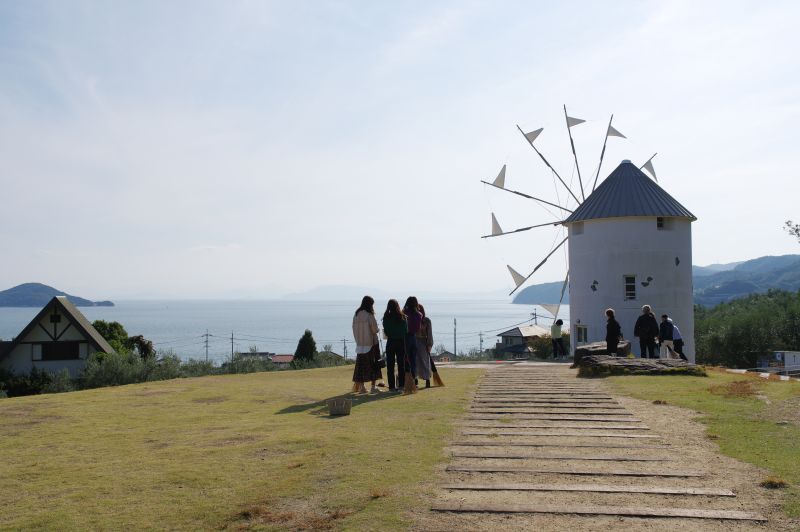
[(581, 334)]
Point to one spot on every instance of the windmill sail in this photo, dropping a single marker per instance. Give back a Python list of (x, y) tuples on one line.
[(614, 133), (533, 134), (500, 180), (518, 277), (537, 266), (574, 121), (496, 230), (649, 167)]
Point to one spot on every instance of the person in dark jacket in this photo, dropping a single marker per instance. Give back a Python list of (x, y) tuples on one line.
[(414, 318), (395, 327), (646, 329), (613, 333), (665, 336)]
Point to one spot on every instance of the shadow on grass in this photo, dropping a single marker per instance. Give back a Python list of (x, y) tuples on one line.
[(320, 408)]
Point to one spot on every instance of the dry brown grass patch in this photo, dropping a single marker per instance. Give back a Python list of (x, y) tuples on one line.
[(259, 515), (734, 389), (773, 483), (377, 493)]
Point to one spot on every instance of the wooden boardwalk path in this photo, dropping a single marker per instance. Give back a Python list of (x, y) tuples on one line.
[(539, 443)]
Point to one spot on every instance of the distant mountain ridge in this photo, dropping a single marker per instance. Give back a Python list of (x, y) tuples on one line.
[(713, 284), (38, 294)]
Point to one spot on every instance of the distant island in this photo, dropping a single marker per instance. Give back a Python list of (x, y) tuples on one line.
[(714, 284), (38, 294)]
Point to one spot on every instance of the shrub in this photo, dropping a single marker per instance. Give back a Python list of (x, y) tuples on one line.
[(168, 367), (247, 364), (59, 382), (114, 369), (198, 368)]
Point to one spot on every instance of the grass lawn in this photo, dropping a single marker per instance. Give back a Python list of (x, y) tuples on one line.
[(236, 451), (744, 416)]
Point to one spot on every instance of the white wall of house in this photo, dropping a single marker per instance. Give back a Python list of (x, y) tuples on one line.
[(608, 250)]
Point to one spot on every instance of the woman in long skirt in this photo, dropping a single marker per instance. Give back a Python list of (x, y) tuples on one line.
[(424, 343), (365, 332)]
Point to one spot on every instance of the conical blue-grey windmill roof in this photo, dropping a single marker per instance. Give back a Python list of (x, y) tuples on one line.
[(627, 191)]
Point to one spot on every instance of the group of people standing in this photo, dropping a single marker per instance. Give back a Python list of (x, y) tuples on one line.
[(649, 332), (409, 339)]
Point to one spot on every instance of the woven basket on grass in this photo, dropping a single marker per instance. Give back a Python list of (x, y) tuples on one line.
[(339, 406)]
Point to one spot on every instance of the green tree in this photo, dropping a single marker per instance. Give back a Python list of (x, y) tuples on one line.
[(306, 347), (793, 229), (114, 333)]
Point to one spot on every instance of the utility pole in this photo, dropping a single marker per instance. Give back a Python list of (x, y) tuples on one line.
[(534, 317), (455, 347), (344, 348), (206, 335), (231, 347), (480, 335)]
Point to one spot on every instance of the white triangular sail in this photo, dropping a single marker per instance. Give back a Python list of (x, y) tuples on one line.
[(500, 180), (518, 277), (649, 167), (533, 134), (552, 308), (574, 121), (614, 133), (496, 227)]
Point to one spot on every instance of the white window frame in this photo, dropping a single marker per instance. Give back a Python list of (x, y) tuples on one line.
[(581, 334), (629, 295)]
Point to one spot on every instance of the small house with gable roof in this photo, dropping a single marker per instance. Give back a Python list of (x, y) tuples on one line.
[(59, 337)]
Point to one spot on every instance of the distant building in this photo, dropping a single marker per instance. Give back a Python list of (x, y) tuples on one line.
[(444, 356), (58, 338), (514, 342), (782, 362), (282, 361), (259, 355)]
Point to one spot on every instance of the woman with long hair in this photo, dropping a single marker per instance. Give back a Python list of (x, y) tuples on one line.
[(424, 343), (365, 332), (395, 327), (414, 319)]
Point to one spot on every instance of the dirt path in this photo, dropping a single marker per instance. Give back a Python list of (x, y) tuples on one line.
[(543, 450)]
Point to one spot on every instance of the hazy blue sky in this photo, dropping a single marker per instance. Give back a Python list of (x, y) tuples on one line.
[(230, 149)]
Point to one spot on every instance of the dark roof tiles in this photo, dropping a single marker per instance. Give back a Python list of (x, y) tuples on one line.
[(627, 191)]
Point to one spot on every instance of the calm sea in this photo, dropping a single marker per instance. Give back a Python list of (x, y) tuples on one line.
[(277, 325)]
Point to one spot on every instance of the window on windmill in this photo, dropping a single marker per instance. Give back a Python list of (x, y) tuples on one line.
[(663, 224), (630, 287)]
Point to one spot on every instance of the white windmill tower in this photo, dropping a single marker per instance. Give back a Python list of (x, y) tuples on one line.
[(629, 244)]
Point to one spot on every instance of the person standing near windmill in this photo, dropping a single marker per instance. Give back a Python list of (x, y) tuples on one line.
[(646, 329), (665, 336), (613, 333)]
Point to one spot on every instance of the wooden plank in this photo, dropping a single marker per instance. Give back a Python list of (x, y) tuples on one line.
[(563, 433), (591, 458), (539, 410), (593, 488), (496, 443), (629, 511), (469, 468), (538, 404), (558, 417), (556, 426), (556, 402)]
